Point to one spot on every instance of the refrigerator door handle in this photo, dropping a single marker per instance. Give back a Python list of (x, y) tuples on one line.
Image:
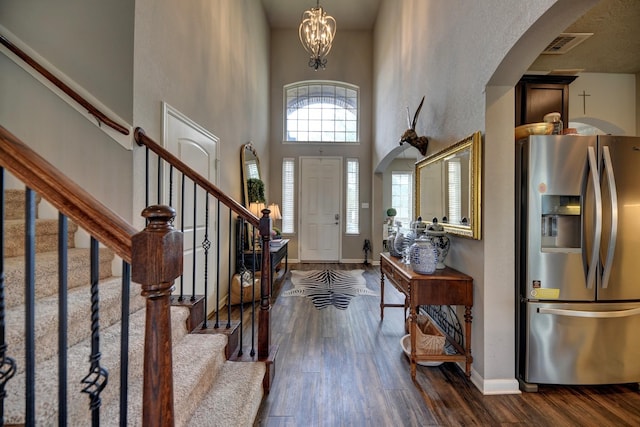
[(608, 167), (597, 232), (590, 314)]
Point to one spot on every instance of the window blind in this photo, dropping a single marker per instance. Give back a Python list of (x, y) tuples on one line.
[(402, 196), (288, 195), (454, 191), (353, 197)]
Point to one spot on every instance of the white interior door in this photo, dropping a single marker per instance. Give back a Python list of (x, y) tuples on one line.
[(320, 208), (198, 148)]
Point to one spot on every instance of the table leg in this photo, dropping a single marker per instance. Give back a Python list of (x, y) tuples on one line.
[(412, 330), (381, 295), (467, 341)]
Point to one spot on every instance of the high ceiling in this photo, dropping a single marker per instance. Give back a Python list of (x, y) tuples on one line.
[(614, 47)]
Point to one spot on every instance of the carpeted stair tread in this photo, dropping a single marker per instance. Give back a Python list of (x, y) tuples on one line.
[(78, 318), (197, 360), (14, 203), (78, 356), (46, 274), (46, 236), (234, 397)]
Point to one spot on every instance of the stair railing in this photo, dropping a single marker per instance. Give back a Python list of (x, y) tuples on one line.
[(155, 255), (161, 179), (91, 109)]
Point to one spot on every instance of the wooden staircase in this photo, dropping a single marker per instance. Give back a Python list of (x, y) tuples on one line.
[(209, 390)]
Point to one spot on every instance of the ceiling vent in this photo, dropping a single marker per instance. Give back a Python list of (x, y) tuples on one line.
[(565, 42)]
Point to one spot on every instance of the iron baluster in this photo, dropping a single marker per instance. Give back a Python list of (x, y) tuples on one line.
[(230, 275), (97, 378), (146, 178), (7, 364), (206, 245), (195, 238), (124, 342), (217, 322), (159, 181), (29, 300), (253, 290), (170, 186), (181, 297), (62, 318)]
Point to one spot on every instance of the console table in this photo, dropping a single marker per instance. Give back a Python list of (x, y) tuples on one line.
[(444, 287), (278, 252)]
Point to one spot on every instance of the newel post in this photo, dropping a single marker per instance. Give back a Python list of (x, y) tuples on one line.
[(156, 263), (264, 328)]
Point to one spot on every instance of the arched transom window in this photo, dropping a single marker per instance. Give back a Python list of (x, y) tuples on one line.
[(321, 111)]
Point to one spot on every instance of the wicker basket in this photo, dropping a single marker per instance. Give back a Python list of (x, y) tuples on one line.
[(429, 340)]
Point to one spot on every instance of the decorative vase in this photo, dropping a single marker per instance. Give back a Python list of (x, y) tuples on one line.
[(419, 226), (440, 241), (391, 244), (398, 245), (409, 239), (423, 256)]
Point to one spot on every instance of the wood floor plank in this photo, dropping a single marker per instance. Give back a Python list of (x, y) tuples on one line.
[(346, 368)]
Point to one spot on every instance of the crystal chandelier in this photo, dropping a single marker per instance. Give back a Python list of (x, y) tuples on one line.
[(316, 34)]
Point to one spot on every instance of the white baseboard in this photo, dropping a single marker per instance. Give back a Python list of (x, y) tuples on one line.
[(494, 387)]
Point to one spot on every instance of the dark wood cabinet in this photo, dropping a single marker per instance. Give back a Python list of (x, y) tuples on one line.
[(537, 95)]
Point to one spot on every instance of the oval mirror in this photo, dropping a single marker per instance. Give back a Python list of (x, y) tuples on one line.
[(250, 164), (448, 187)]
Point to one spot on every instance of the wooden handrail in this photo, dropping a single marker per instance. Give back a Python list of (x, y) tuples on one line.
[(143, 140), (65, 195), (99, 115)]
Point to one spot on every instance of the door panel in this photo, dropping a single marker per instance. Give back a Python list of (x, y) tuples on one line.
[(583, 343), (555, 268), (320, 208), (199, 149), (625, 167)]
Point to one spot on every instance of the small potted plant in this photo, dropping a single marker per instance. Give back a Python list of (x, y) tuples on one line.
[(391, 213)]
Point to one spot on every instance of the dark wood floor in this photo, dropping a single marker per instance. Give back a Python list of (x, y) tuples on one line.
[(346, 368)]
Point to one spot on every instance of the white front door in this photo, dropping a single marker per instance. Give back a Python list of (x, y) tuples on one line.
[(198, 148), (320, 208)]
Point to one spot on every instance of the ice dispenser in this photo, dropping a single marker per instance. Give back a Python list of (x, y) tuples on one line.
[(560, 223)]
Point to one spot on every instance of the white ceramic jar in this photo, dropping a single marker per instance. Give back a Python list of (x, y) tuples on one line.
[(423, 256)]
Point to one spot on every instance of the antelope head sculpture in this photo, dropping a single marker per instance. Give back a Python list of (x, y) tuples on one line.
[(411, 137)]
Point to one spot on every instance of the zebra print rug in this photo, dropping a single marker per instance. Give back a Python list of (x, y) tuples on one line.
[(328, 287)]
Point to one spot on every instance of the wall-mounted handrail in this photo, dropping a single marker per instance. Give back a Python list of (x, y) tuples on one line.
[(65, 195), (95, 112), (143, 140)]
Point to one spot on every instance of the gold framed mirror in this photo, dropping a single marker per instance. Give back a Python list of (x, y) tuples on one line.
[(448, 187), (250, 169)]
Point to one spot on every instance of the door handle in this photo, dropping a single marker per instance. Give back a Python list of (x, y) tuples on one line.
[(613, 194), (597, 233), (590, 314), (337, 217)]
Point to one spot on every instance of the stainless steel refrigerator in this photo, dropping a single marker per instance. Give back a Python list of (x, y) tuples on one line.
[(578, 260)]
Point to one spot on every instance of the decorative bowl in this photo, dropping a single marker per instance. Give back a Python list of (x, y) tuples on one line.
[(541, 128)]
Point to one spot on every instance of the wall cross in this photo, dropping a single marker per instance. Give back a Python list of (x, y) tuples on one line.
[(584, 95)]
